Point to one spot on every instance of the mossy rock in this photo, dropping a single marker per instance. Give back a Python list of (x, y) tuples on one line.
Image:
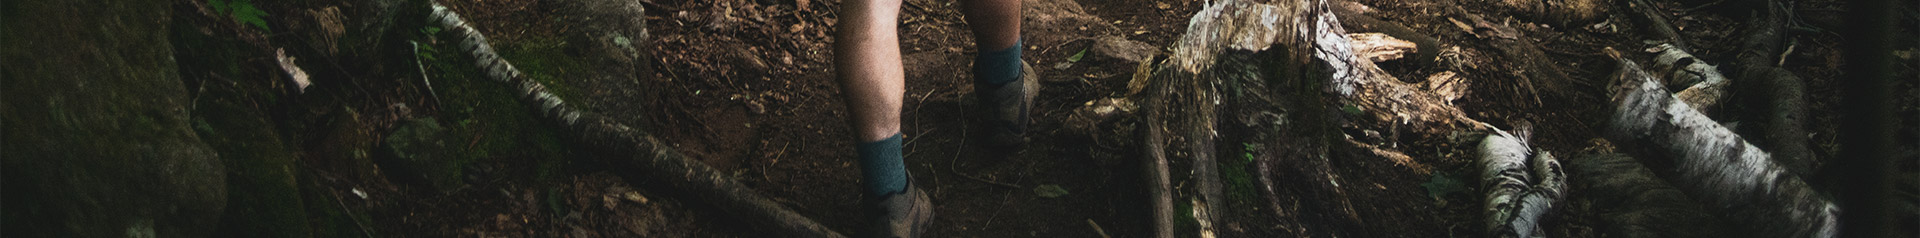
[(97, 134), (421, 150)]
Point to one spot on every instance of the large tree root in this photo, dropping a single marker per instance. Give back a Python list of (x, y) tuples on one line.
[(657, 160), (1715, 164), (1542, 80), (1633, 202), (1519, 192)]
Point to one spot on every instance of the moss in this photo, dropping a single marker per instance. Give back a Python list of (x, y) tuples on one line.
[(1239, 180), (489, 115)]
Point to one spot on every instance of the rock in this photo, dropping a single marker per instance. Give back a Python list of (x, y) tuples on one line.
[(610, 38), (1118, 47), (97, 136), (263, 198), (421, 150)]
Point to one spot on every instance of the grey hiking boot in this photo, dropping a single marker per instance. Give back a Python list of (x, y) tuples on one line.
[(899, 215), (1009, 108)]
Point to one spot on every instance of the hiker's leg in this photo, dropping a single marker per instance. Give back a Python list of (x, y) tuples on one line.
[(1001, 80), (867, 59), (995, 23)]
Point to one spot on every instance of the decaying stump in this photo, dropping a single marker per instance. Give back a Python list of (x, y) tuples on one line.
[(1519, 191), (1268, 72), (657, 159), (1715, 164)]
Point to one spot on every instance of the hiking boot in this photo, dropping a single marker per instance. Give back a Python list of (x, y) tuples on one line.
[(899, 215), (1009, 108)]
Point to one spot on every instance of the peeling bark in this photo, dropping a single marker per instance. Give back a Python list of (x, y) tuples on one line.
[(1715, 164), (657, 160), (1703, 85)]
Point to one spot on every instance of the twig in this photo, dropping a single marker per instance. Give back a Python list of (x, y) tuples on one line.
[(423, 73), (1097, 230), (356, 222), (952, 164)]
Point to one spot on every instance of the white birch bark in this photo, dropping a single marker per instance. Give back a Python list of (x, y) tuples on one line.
[(1716, 165)]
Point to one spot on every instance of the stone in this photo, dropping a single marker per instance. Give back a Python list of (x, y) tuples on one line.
[(1121, 48), (97, 136), (421, 150)]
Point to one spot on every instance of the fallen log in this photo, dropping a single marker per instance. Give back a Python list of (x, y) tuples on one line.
[(1778, 97), (1631, 201), (657, 160), (1519, 192), (1715, 164), (1703, 85)]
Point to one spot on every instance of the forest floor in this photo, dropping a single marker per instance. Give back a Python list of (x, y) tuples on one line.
[(748, 88)]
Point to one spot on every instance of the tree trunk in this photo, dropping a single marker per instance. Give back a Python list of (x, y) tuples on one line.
[(656, 160), (1715, 164)]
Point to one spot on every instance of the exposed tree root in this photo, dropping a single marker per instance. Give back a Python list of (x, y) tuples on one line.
[(1715, 164), (1542, 80), (656, 160)]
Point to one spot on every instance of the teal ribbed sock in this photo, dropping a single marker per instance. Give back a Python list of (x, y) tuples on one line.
[(882, 167), (999, 67)]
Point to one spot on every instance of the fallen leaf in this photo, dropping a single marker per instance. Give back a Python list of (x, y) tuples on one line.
[(1050, 191)]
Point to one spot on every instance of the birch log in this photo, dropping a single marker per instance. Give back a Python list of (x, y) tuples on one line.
[(1519, 192), (1715, 164), (657, 160), (1703, 85)]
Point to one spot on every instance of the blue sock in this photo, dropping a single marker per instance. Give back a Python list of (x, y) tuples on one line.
[(999, 67), (882, 167)]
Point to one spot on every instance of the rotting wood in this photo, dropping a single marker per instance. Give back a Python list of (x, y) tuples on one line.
[(1159, 182), (657, 160), (1353, 16), (1714, 164)]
